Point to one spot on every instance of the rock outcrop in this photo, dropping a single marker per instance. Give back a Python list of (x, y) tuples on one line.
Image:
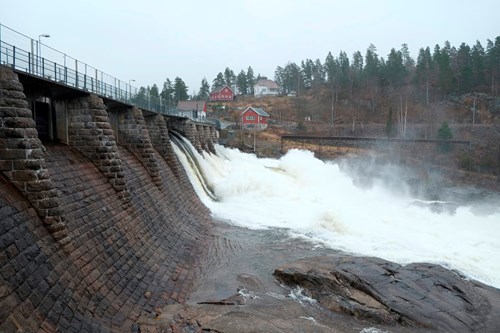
[(415, 295)]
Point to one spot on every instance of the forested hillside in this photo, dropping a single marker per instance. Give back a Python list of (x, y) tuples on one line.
[(446, 83), (458, 84), (435, 73)]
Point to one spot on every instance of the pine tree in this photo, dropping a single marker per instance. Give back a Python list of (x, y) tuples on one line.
[(250, 80), (229, 76), (444, 133), (493, 61), (279, 78), (371, 62), (307, 70), (154, 92), (408, 61), (204, 90), (441, 58), (395, 70), (355, 72), (180, 90), (167, 92), (219, 81), (424, 71), (241, 83), (478, 64), (371, 74), (330, 69), (142, 96), (464, 68), (344, 68)]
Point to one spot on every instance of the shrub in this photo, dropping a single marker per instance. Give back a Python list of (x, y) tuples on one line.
[(444, 133), (466, 162), (301, 127)]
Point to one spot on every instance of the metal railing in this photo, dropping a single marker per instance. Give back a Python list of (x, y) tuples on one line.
[(24, 54)]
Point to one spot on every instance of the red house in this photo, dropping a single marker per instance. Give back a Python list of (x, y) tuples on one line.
[(223, 93), (254, 118)]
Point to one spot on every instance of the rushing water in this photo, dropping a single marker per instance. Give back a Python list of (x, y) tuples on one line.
[(319, 201)]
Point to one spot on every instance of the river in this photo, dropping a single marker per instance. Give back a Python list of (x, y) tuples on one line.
[(350, 208)]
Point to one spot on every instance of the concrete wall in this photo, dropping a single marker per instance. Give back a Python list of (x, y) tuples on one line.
[(76, 255)]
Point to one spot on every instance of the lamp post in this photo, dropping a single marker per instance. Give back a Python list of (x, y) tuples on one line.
[(39, 50), (130, 88), (255, 133)]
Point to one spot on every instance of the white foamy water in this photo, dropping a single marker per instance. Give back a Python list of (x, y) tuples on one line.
[(316, 200)]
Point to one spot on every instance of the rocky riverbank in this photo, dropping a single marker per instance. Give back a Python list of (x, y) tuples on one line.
[(415, 295), (263, 281)]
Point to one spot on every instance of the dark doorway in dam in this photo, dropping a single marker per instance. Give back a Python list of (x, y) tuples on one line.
[(42, 115)]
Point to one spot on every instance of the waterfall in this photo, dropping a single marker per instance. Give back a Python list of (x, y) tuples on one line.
[(325, 204)]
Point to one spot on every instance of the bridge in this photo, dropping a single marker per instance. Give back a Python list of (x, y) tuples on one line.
[(49, 76), (411, 146), (44, 102), (99, 226), (358, 142)]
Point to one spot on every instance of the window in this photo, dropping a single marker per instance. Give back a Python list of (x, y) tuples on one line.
[(250, 118)]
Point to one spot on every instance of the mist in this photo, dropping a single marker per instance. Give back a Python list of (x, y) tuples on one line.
[(361, 208)]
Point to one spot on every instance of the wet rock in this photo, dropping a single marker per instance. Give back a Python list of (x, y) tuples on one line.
[(235, 299), (250, 281), (415, 295)]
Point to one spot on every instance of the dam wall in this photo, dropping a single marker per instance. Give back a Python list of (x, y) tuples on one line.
[(99, 230)]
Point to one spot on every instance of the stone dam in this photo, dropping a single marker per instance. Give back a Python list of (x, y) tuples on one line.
[(100, 226)]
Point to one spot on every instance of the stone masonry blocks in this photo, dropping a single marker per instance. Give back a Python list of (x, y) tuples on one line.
[(22, 158), (89, 132), (192, 135), (158, 130), (126, 261), (134, 135), (208, 139)]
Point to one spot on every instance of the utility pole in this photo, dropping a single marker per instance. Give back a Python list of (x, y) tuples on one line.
[(254, 140), (474, 112), (333, 114)]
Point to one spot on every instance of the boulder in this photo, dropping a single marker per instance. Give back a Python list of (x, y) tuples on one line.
[(416, 295)]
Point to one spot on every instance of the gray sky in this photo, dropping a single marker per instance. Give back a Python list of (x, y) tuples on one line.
[(150, 40)]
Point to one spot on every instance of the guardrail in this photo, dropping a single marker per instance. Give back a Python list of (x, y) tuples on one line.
[(358, 141), (58, 67), (368, 139)]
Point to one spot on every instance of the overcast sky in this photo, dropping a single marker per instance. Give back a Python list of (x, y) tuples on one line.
[(151, 40)]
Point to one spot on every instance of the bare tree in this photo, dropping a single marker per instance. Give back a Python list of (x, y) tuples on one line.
[(402, 116)]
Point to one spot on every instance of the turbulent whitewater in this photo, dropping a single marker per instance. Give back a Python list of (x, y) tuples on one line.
[(319, 201)]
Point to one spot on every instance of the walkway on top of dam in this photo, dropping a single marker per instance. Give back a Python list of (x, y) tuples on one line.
[(56, 74)]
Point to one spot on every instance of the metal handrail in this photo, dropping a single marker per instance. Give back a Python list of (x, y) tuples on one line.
[(73, 73)]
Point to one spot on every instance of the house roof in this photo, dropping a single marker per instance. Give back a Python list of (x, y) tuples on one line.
[(191, 105), (267, 83), (216, 90), (259, 111)]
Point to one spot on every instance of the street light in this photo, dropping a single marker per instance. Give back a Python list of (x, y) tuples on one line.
[(40, 46), (130, 88)]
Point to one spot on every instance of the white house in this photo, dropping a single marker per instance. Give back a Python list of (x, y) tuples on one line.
[(196, 110), (264, 87)]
